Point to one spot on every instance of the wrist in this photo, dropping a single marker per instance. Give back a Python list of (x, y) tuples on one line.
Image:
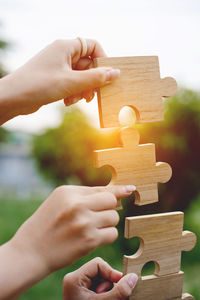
[(21, 268), (30, 255), (13, 99), (8, 107)]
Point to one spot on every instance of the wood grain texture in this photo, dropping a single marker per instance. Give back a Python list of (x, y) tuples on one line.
[(159, 288), (135, 164), (161, 240), (139, 86)]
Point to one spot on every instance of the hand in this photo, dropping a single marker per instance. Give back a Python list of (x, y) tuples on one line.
[(57, 72), (95, 280), (70, 223)]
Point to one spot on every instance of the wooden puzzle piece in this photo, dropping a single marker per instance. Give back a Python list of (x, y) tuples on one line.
[(168, 287), (139, 86), (135, 164), (159, 287), (161, 240)]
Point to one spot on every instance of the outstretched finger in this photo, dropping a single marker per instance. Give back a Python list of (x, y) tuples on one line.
[(119, 191)]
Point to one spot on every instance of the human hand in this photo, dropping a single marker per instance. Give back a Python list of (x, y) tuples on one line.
[(95, 280), (57, 72), (69, 224)]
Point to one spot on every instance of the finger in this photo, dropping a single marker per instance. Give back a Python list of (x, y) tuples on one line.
[(104, 287), (72, 99), (108, 218), (83, 64), (94, 49), (107, 235), (98, 267), (92, 78), (122, 290), (119, 191), (101, 201), (88, 95)]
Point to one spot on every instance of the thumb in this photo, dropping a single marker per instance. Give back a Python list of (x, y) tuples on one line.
[(93, 78), (122, 289)]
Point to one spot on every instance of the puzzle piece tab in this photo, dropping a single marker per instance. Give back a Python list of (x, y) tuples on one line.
[(161, 240), (139, 86), (135, 164)]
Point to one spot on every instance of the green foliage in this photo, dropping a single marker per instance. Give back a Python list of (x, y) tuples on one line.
[(4, 135), (178, 143)]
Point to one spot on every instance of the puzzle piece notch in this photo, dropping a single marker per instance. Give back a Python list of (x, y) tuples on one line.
[(139, 86), (134, 164), (162, 238)]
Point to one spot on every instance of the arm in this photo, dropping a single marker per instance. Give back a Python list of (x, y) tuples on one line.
[(57, 72), (96, 280), (50, 239)]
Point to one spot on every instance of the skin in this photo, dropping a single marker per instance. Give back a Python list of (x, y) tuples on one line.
[(96, 280), (71, 216), (57, 72)]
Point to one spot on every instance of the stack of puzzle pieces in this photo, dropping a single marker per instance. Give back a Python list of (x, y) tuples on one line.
[(161, 235)]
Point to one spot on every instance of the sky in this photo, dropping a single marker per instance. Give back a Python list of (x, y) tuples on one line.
[(169, 29)]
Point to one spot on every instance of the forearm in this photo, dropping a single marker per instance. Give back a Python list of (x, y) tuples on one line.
[(13, 100), (20, 269), (8, 108)]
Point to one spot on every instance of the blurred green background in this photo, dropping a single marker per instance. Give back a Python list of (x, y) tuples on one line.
[(64, 155)]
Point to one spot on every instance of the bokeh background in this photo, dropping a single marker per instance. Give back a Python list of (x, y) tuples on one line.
[(54, 146)]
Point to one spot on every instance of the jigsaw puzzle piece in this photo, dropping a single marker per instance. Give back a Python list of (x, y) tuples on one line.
[(134, 164), (162, 240), (139, 87), (160, 288)]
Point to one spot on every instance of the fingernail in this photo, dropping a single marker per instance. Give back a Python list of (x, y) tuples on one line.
[(130, 188), (112, 74), (132, 280)]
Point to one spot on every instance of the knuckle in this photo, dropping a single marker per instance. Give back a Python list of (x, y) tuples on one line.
[(101, 76), (68, 279), (84, 226), (63, 189), (76, 208), (59, 43), (114, 234), (112, 199), (115, 217), (90, 242), (98, 260)]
